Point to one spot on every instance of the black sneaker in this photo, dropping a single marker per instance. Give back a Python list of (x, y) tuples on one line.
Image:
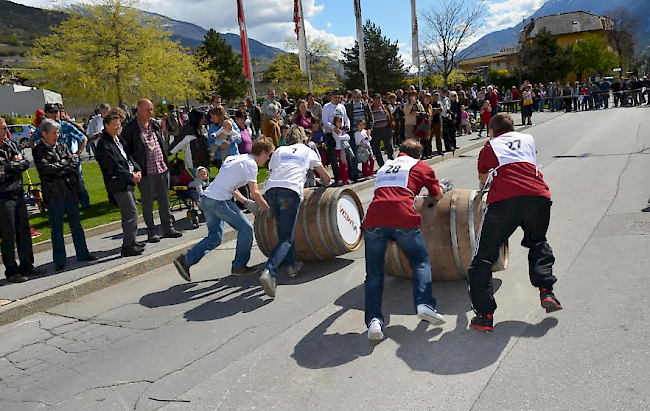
[(140, 243), (483, 322), (245, 270), (89, 257), (172, 234), (548, 300), (17, 278), (182, 267), (153, 238), (132, 251), (34, 272)]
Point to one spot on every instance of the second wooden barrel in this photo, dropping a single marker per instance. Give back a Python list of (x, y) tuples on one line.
[(328, 225), (450, 227)]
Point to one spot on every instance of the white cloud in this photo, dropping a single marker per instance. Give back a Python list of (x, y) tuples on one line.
[(510, 13), (268, 21)]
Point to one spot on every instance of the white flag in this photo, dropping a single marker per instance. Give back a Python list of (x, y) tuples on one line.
[(360, 36), (414, 39)]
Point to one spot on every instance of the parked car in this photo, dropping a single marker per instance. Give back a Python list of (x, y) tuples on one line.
[(20, 133)]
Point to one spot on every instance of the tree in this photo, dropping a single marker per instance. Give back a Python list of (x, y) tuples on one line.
[(384, 65), (544, 59), (110, 52), (224, 68), (591, 53), (449, 27), (285, 71), (622, 36)]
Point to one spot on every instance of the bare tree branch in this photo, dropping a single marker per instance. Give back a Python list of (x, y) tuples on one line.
[(449, 28)]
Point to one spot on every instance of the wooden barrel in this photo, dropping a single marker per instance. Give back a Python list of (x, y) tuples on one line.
[(450, 228), (328, 225)]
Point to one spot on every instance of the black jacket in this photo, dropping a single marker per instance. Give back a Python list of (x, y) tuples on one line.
[(132, 136), (58, 170), (115, 168), (11, 172)]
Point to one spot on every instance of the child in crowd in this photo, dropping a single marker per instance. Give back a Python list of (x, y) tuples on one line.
[(226, 141), (201, 182), (364, 151), (486, 116), (464, 121), (284, 130), (342, 140), (318, 137), (311, 174)]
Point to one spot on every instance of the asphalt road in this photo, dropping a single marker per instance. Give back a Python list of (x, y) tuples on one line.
[(156, 342)]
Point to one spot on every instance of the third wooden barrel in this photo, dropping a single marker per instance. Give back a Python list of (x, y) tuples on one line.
[(328, 225), (450, 227)]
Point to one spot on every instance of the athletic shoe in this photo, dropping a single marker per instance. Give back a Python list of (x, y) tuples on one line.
[(374, 330), (34, 233), (153, 238), (182, 267), (172, 234), (548, 300), (428, 314), (268, 283), (132, 251), (245, 270), (483, 322), (293, 271)]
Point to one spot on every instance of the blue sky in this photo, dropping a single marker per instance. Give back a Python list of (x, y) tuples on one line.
[(270, 21)]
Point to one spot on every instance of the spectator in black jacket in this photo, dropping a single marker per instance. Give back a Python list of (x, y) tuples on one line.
[(59, 172), (121, 173), (14, 226), (145, 142)]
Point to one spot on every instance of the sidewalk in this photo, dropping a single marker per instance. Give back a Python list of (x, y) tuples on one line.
[(41, 293)]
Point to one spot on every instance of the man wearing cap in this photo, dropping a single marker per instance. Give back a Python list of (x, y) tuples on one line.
[(70, 136), (145, 142), (330, 110)]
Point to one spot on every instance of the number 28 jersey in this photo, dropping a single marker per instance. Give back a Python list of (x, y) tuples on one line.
[(511, 161), (398, 181)]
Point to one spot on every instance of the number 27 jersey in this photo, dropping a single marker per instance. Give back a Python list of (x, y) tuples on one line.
[(511, 160)]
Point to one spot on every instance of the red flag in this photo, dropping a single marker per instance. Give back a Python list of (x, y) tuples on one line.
[(244, 40), (296, 17)]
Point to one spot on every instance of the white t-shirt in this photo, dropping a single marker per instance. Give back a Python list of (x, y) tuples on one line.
[(235, 172), (362, 137), (95, 125), (289, 165)]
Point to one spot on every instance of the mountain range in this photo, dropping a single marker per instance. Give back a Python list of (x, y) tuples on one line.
[(21, 24), (493, 42)]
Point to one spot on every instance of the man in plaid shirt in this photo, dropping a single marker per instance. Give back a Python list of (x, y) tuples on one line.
[(145, 142)]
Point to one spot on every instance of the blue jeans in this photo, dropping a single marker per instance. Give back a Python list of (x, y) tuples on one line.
[(284, 203), (216, 213), (411, 242), (84, 199), (57, 211)]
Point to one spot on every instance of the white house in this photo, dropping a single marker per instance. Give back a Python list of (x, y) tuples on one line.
[(23, 100)]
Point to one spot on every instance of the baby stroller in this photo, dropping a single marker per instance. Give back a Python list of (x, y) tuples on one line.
[(180, 192)]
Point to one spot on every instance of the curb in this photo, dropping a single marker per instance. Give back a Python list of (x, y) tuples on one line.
[(12, 311)]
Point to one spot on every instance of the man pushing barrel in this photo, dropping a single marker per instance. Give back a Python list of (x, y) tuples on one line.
[(218, 207), (284, 191), (517, 197), (392, 216)]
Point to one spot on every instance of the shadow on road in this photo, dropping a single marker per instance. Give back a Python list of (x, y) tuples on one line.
[(227, 296), (458, 351)]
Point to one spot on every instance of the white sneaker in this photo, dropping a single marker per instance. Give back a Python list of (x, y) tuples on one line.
[(430, 315), (374, 330), (293, 271)]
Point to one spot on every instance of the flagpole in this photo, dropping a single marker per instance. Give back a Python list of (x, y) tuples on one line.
[(415, 41), (360, 40)]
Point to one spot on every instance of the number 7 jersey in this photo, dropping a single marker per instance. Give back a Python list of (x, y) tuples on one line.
[(510, 160)]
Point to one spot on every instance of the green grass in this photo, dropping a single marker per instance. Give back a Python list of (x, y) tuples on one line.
[(101, 211)]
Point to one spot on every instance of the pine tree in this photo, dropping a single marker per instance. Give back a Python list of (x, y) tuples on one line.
[(108, 51), (224, 67), (385, 67)]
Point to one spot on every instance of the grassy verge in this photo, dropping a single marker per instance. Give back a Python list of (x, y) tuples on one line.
[(101, 211)]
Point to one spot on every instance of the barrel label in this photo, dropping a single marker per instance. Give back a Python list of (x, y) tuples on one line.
[(348, 220)]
